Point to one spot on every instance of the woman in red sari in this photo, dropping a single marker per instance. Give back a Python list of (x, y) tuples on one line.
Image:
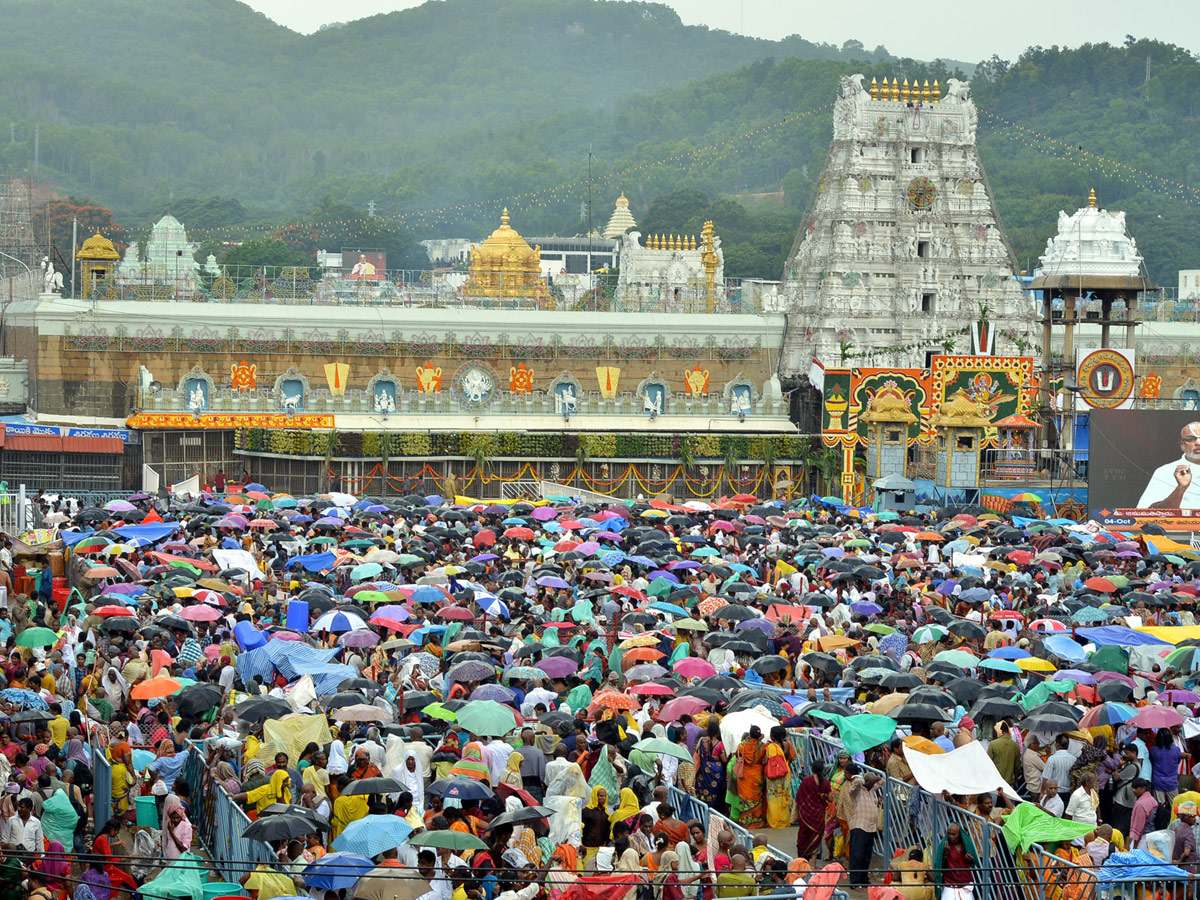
[(812, 798)]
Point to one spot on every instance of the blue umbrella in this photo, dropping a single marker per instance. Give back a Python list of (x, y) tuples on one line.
[(1001, 665), (1010, 653), (254, 486), (427, 593), (27, 699), (662, 606), (496, 692), (372, 835), (553, 581), (336, 871)]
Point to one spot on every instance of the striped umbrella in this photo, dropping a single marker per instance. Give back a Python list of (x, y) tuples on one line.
[(927, 634)]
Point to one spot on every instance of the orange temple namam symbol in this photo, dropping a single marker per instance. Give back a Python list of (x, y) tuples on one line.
[(243, 376)]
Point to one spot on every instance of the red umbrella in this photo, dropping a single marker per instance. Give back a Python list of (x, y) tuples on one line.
[(201, 613), (485, 538), (1103, 585), (1021, 557), (626, 591), (744, 498), (455, 612), (385, 622), (520, 532), (113, 611), (615, 700)]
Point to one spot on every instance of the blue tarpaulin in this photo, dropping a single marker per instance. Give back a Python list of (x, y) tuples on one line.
[(1119, 635), (153, 532), (289, 658), (314, 562), (1138, 865)]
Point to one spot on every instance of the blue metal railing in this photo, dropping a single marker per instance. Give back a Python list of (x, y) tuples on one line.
[(219, 822), (101, 788)]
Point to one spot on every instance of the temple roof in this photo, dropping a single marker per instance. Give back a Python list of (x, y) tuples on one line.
[(1092, 250), (621, 220), (97, 247), (504, 248)]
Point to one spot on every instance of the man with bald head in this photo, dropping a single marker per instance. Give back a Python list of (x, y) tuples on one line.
[(1176, 485)]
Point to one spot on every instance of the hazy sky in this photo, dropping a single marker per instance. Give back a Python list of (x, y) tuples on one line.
[(969, 30)]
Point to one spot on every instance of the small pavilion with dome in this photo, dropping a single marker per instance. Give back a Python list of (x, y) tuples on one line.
[(504, 265), (97, 259)]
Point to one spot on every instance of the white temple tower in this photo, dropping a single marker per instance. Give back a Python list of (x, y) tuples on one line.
[(903, 246)]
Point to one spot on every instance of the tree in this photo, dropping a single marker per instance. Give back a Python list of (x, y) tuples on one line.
[(92, 219), (671, 213), (265, 252)]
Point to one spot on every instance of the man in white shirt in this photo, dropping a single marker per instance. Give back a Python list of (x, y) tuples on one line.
[(1081, 807), (1049, 800), (22, 830), (1174, 485), (419, 748)]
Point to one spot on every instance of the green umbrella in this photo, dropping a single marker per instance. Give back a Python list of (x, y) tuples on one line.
[(407, 559), (36, 637), (960, 658), (372, 597), (487, 717), (365, 571), (437, 711), (928, 633), (181, 564), (448, 840), (1028, 824), (663, 747), (322, 540), (879, 628), (887, 516), (661, 587)]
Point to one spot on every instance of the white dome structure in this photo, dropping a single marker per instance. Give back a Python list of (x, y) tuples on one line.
[(1091, 242)]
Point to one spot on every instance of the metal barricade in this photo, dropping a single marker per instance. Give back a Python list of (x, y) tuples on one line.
[(101, 788), (692, 808), (1061, 879), (219, 823)]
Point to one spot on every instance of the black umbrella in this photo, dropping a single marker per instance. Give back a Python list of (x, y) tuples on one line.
[(996, 708), (928, 693), (294, 809), (712, 697), (898, 681), (414, 700), (519, 816), (768, 664), (345, 698), (967, 630), (259, 709), (999, 689), (374, 786), (283, 827), (873, 660), (965, 690), (198, 698), (1049, 723), (120, 623), (939, 615), (1055, 708), (32, 715), (721, 683), (919, 712), (734, 613), (1113, 691), (359, 684), (553, 718), (828, 706), (823, 662)]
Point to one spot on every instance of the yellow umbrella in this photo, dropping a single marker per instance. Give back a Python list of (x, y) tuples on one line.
[(887, 703), (642, 640), (835, 642), (1033, 664)]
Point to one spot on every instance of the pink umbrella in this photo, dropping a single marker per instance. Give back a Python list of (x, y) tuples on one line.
[(681, 706), (650, 689), (1115, 676), (1157, 717), (694, 667), (201, 613), (545, 513)]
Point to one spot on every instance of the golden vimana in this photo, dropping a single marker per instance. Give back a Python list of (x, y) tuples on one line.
[(917, 93)]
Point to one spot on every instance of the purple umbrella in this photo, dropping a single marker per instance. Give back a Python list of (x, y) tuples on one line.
[(359, 639), (327, 520), (497, 692), (557, 666), (119, 506), (230, 522), (484, 557), (606, 536), (587, 548), (545, 513), (833, 552), (552, 581), (866, 608), (1076, 675), (683, 564), (1176, 695), (946, 588), (763, 625), (303, 519), (495, 510), (663, 573), (393, 611), (123, 588), (1114, 676), (133, 498)]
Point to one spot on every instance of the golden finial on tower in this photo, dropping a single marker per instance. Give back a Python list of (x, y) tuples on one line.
[(925, 91), (874, 88), (1092, 199), (693, 243), (674, 242), (904, 91), (895, 89), (937, 92), (504, 216)]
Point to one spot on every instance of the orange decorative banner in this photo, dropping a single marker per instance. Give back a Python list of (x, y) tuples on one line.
[(229, 420)]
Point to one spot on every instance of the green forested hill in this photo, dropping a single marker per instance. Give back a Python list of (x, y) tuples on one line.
[(443, 113)]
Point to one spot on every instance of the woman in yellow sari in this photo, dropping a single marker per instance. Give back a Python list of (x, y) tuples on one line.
[(123, 778)]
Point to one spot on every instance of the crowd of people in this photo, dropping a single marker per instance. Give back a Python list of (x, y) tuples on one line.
[(423, 698)]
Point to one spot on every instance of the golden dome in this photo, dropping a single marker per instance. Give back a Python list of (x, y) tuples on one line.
[(505, 265), (97, 247)]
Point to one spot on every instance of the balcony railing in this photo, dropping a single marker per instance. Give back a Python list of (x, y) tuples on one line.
[(315, 286)]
